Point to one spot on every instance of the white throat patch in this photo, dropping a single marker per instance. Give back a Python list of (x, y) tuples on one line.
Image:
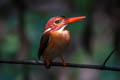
[(62, 28), (47, 30)]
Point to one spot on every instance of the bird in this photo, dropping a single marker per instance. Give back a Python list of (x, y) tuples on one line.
[(56, 39)]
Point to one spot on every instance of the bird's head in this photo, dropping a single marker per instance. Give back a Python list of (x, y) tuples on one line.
[(60, 22)]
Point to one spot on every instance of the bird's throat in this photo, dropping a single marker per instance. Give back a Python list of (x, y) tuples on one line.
[(62, 28), (56, 29)]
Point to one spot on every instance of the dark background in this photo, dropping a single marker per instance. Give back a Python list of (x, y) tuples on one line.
[(22, 23)]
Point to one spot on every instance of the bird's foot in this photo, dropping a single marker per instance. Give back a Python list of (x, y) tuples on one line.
[(47, 64), (63, 62)]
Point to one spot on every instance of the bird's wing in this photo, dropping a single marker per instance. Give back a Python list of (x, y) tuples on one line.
[(43, 44)]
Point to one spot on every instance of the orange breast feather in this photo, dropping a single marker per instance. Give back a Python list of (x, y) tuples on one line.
[(58, 43)]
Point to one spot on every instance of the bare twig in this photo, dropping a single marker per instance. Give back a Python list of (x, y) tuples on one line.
[(33, 62), (108, 57)]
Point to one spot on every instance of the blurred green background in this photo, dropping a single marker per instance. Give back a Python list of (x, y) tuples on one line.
[(22, 23)]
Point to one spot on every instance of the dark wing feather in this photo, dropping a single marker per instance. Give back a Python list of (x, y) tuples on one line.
[(43, 44)]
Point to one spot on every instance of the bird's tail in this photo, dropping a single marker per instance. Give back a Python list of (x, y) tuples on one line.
[(47, 63), (39, 54)]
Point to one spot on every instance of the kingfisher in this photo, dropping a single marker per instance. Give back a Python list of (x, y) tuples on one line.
[(55, 39)]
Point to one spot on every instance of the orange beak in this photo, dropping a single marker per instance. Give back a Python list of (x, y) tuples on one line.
[(74, 19)]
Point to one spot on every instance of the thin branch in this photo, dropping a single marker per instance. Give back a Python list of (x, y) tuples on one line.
[(108, 57), (33, 62)]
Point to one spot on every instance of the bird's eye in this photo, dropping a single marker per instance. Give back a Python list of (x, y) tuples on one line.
[(58, 21)]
